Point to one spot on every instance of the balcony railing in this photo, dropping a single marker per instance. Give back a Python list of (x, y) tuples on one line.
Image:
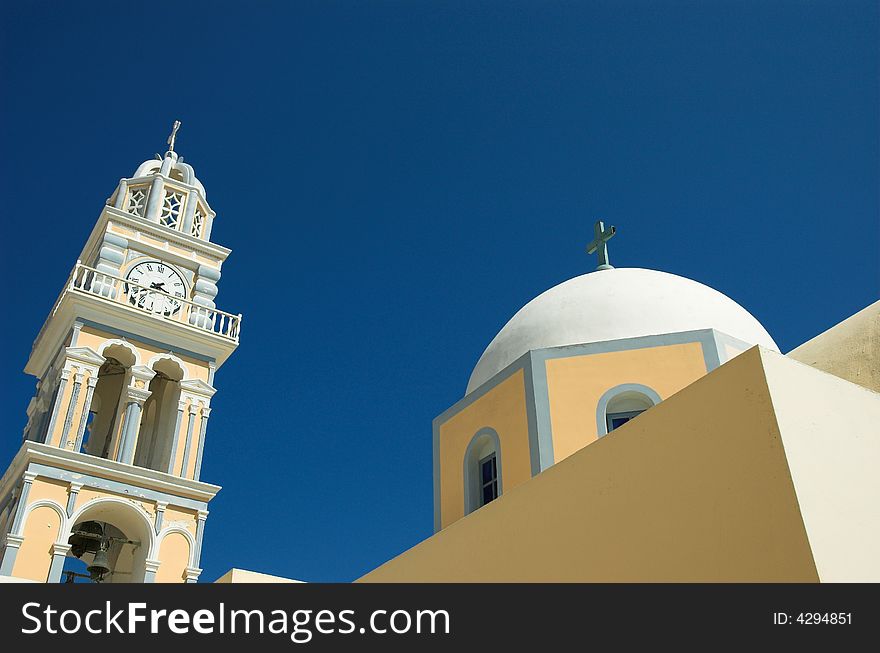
[(162, 305)]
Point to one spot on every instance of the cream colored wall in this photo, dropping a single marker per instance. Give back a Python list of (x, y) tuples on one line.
[(731, 352), (575, 385), (850, 349), (696, 489), (503, 409), (244, 576), (831, 434)]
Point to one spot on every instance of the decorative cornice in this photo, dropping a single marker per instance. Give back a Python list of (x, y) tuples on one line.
[(85, 355), (74, 461), (198, 387)]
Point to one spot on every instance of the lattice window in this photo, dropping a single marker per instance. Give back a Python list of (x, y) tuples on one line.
[(198, 222), (170, 216), (137, 201)]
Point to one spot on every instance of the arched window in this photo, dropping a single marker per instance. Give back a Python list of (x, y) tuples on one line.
[(102, 429), (621, 404), (482, 470), (156, 434)]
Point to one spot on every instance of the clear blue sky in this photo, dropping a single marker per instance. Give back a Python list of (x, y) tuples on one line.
[(396, 179)]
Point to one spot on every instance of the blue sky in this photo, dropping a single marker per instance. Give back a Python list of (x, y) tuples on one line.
[(396, 179)]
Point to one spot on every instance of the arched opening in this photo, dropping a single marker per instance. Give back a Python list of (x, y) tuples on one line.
[(482, 470), (105, 413), (159, 416), (112, 541), (623, 403)]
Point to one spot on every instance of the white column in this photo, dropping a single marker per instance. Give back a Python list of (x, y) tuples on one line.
[(72, 493), (59, 553), (59, 397), (131, 423), (84, 415), (181, 406), (200, 534), (187, 452), (206, 412), (71, 408), (160, 514), (155, 200), (14, 539)]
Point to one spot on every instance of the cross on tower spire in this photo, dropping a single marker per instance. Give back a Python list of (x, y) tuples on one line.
[(173, 136), (600, 244)]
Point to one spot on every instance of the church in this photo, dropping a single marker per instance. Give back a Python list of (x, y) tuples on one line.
[(625, 425)]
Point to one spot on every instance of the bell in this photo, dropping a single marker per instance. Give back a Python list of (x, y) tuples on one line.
[(100, 566), (86, 539)]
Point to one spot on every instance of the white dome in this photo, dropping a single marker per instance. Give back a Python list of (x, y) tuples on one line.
[(614, 304)]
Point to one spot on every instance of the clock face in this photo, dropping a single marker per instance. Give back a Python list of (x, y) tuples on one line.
[(153, 276)]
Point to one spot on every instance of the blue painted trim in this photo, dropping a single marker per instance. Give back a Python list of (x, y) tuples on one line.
[(147, 341), (605, 399), (55, 568), (9, 554), (543, 444)]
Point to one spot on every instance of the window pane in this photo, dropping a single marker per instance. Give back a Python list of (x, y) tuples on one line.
[(488, 494), (488, 469)]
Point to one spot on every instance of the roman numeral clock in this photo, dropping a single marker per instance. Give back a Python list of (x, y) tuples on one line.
[(106, 486)]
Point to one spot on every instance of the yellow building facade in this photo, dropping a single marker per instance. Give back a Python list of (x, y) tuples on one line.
[(109, 470)]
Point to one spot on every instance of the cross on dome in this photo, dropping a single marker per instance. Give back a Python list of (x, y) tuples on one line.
[(600, 244)]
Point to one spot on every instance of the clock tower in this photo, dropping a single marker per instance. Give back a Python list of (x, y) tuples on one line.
[(109, 471)]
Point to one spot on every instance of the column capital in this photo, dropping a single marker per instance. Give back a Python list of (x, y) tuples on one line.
[(206, 412), (75, 487), (140, 395), (152, 565), (161, 506), (65, 374), (202, 515), (93, 379), (29, 477), (14, 540), (192, 574), (60, 549)]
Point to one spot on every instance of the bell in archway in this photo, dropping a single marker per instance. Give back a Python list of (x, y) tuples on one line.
[(100, 566)]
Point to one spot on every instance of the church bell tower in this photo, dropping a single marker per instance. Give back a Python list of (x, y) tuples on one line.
[(106, 485)]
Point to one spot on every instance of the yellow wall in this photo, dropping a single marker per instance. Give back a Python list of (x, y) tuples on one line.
[(503, 409), (696, 489), (575, 384), (174, 554), (94, 338), (45, 488), (35, 555), (184, 518)]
